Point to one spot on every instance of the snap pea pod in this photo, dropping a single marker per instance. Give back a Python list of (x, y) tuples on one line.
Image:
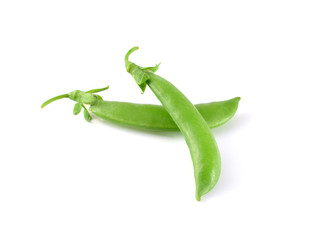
[(198, 136), (148, 116), (145, 116)]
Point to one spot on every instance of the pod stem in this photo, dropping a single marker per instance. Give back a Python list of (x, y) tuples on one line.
[(54, 99), (127, 62)]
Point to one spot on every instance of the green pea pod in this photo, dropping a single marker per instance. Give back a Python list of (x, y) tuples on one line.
[(198, 136), (155, 117), (147, 116)]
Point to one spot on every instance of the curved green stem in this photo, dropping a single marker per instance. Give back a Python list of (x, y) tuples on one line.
[(127, 62), (54, 99), (140, 74)]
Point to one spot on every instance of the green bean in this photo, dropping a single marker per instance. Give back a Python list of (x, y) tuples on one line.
[(198, 136), (145, 116)]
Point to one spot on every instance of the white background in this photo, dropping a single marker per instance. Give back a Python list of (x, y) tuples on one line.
[(64, 178)]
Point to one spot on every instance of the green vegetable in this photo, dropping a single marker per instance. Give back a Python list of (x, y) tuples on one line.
[(146, 116), (198, 136)]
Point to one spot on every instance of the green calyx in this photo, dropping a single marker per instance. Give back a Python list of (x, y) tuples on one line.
[(88, 98), (140, 74)]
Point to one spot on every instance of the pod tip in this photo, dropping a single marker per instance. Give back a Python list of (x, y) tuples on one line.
[(198, 197)]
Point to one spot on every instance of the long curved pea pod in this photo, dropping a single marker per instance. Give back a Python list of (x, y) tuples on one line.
[(155, 117), (198, 136), (144, 116)]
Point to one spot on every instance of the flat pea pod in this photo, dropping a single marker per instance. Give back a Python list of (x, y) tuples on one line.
[(145, 116), (155, 117), (198, 136)]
